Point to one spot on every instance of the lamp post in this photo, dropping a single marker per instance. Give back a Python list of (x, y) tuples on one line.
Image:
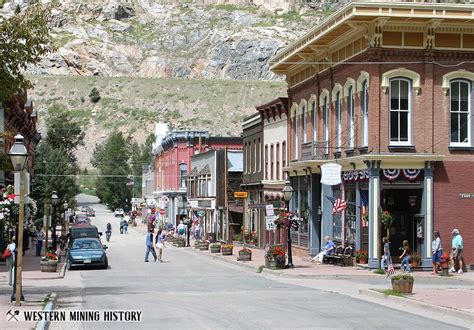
[(54, 202), (287, 195), (188, 224), (66, 221), (18, 156)]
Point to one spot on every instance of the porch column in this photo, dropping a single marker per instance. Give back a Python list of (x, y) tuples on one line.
[(358, 216), (315, 221), (374, 205), (428, 213), (327, 217)]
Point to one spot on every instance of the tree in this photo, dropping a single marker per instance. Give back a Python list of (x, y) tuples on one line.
[(111, 159), (63, 131), (24, 39)]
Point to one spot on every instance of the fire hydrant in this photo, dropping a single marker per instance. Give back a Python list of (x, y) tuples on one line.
[(444, 264)]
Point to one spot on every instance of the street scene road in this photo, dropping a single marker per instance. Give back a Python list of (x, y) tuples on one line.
[(191, 291)]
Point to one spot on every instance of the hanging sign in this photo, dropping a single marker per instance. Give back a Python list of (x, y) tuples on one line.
[(331, 174), (201, 213), (270, 210), (240, 194), (270, 221)]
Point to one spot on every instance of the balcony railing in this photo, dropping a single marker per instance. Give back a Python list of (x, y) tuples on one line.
[(314, 150)]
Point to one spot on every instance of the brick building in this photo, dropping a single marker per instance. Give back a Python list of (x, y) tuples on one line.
[(384, 90)]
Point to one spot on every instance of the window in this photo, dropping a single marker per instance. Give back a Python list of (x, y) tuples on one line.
[(315, 121), (365, 115), (283, 154), (254, 156), (272, 160), (295, 136), (259, 155), (246, 158), (183, 169), (400, 108), (338, 122), (277, 171), (304, 123), (266, 162), (350, 112), (460, 108), (326, 125)]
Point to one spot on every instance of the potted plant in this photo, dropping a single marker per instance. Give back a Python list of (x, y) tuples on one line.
[(415, 260), (49, 263), (402, 283), (215, 247), (387, 221), (198, 243), (275, 257), (204, 246), (361, 256), (227, 249), (245, 254)]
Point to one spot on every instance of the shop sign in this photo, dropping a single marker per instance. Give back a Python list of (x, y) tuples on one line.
[(193, 204), (270, 221), (240, 194), (466, 195), (257, 206), (201, 213), (205, 203), (270, 211), (331, 174)]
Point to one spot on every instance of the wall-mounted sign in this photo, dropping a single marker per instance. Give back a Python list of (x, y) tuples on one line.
[(270, 210), (331, 174), (257, 206), (466, 195), (240, 194)]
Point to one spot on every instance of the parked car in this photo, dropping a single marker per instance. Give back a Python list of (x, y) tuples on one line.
[(87, 252), (90, 212), (82, 218), (83, 231), (119, 213)]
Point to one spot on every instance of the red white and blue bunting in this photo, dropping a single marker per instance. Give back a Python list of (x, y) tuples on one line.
[(391, 174), (411, 174), (355, 175)]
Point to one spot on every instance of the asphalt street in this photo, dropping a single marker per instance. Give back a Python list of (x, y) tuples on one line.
[(189, 291)]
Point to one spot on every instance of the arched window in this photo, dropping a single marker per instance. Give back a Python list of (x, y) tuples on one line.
[(326, 125), (303, 122), (266, 162), (338, 122), (295, 136), (315, 121), (350, 113), (365, 114), (283, 154), (272, 162), (460, 110), (400, 111), (277, 171)]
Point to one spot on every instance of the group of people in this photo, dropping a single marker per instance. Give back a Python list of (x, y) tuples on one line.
[(123, 226), (456, 255), (158, 242)]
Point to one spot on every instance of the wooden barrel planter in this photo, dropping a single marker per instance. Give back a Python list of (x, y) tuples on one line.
[(215, 248), (180, 243), (227, 251), (402, 286), (203, 247), (275, 263), (244, 256), (50, 266)]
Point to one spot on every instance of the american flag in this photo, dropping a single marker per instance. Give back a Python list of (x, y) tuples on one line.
[(364, 203), (196, 218), (390, 269), (338, 204)]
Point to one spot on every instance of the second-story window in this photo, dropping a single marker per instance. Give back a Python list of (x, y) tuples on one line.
[(326, 125), (295, 136), (338, 122), (350, 113), (266, 162), (283, 154), (272, 160), (365, 114), (303, 123), (315, 121), (460, 109), (259, 155), (254, 165), (183, 169), (400, 111), (277, 171)]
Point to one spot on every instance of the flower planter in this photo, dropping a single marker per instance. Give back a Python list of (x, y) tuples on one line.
[(402, 286), (414, 263), (180, 244), (49, 266), (276, 263), (362, 260), (215, 248), (245, 257), (203, 247), (226, 252)]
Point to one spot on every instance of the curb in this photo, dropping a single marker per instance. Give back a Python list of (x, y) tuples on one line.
[(44, 325), (441, 310)]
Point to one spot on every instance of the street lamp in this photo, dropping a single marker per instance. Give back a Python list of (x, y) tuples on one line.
[(66, 220), (54, 202), (189, 223), (287, 195), (18, 156)]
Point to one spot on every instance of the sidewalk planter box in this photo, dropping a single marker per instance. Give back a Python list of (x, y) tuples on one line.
[(275, 263), (245, 255), (180, 243), (203, 247), (215, 248), (227, 251), (402, 283), (50, 266)]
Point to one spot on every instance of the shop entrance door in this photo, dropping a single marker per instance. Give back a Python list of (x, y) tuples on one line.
[(403, 205)]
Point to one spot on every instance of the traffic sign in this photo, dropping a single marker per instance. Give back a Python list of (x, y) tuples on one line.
[(162, 211)]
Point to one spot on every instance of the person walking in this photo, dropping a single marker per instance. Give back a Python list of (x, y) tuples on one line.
[(125, 226), (386, 253), (197, 231), (456, 254), (39, 236), (160, 244), (436, 251), (181, 228), (405, 257), (149, 246), (121, 226), (9, 256)]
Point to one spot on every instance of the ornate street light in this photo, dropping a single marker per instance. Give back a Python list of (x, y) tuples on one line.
[(54, 202), (287, 195), (18, 156), (188, 223), (66, 220)]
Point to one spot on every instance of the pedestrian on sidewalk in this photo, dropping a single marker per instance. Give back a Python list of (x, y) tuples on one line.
[(405, 257), (456, 254), (197, 231), (160, 244), (9, 256), (386, 253), (436, 251), (181, 228), (149, 246), (39, 236), (125, 227), (121, 226), (328, 250)]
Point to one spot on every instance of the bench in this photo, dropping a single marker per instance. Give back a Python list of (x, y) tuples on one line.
[(342, 256)]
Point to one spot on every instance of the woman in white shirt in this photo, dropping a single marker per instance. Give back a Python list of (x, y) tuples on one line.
[(11, 260), (436, 251)]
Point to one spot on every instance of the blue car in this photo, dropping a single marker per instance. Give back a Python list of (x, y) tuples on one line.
[(87, 252)]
